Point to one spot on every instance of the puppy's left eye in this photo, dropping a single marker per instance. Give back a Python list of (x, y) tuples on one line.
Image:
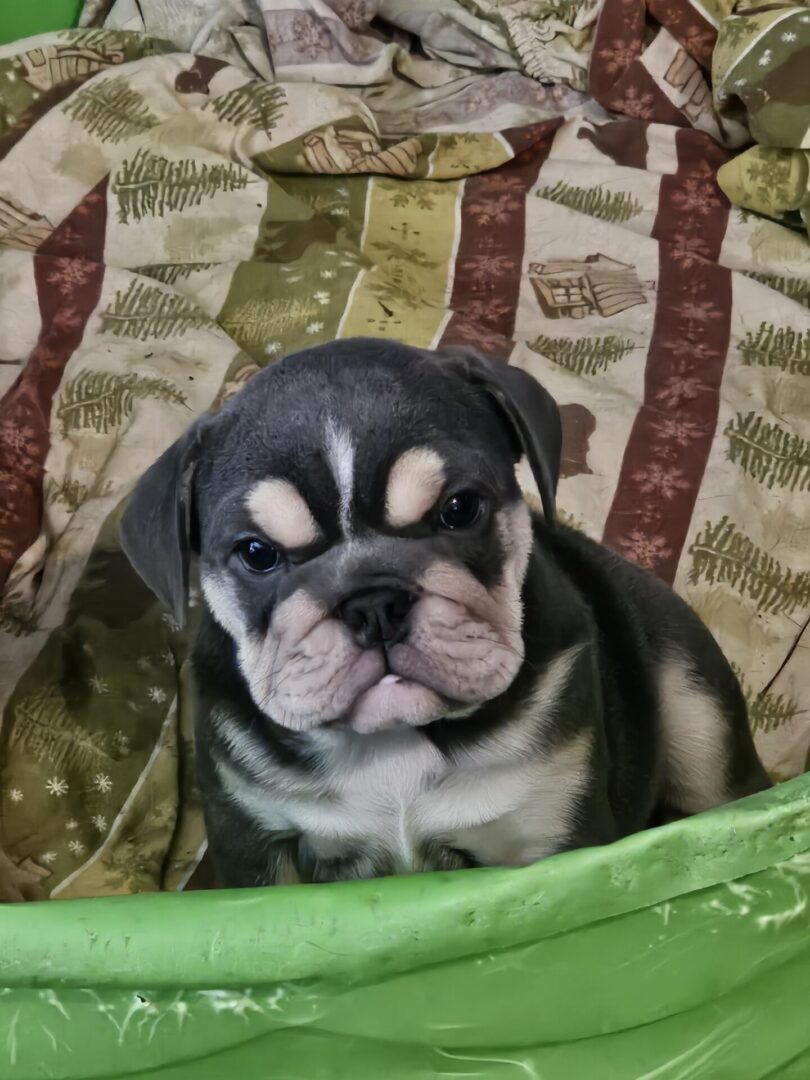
[(461, 510), (257, 555)]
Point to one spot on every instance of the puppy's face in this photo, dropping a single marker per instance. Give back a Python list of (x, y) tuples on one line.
[(363, 540)]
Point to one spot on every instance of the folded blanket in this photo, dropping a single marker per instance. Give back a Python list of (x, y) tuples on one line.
[(171, 219), (762, 75)]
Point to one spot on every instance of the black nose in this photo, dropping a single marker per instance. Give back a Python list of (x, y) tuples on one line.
[(377, 616)]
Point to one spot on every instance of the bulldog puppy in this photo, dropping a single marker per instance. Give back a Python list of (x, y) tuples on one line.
[(400, 667)]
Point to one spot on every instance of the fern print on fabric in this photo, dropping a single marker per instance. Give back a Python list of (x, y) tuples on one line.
[(779, 347), (143, 311), (258, 103), (767, 452), (767, 711), (258, 320), (171, 273), (615, 206), (583, 356), (722, 554), (797, 289), (101, 400), (110, 110), (149, 185)]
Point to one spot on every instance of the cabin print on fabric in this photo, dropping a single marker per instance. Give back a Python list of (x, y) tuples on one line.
[(595, 285)]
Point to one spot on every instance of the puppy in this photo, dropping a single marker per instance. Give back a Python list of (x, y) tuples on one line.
[(400, 667)]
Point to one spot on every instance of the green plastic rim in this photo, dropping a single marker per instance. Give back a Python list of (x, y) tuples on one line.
[(679, 952)]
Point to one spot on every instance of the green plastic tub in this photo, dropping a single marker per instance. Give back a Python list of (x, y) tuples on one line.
[(682, 953), (24, 18)]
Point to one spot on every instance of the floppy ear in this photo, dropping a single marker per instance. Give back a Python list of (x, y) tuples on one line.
[(530, 412), (155, 527)]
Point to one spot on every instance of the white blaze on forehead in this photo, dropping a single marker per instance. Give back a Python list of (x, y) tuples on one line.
[(340, 453), (280, 511), (414, 484)]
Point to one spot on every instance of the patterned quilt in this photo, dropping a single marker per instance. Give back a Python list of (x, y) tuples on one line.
[(189, 190)]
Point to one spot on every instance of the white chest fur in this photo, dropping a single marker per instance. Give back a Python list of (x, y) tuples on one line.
[(504, 801)]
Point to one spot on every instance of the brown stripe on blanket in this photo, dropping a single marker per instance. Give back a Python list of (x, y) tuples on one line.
[(68, 270), (486, 285), (616, 77), (671, 438)]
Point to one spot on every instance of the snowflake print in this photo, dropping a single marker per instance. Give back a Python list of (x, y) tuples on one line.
[(766, 58), (689, 251), (681, 432), (20, 438), (143, 663), (485, 310), (327, 275), (68, 275), (483, 268), (696, 197), (76, 847), (655, 479), (272, 348), (167, 656), (169, 621), (322, 297), (15, 795), (99, 685), (496, 210), (156, 695), (48, 857), (67, 319), (56, 786), (619, 55), (788, 36), (478, 335), (698, 311), (99, 822), (71, 824), (635, 104), (11, 76), (676, 390), (102, 782), (340, 211), (305, 35), (646, 551), (740, 83), (699, 41), (314, 327)]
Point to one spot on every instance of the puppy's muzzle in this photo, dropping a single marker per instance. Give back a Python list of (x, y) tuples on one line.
[(378, 616)]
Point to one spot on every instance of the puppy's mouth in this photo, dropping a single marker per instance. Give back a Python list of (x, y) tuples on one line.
[(395, 701)]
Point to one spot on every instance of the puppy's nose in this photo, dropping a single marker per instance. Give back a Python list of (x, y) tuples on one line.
[(377, 616)]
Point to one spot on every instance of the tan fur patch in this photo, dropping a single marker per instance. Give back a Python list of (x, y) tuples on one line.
[(281, 512), (414, 484)]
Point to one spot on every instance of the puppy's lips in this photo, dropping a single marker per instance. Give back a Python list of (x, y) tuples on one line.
[(395, 702)]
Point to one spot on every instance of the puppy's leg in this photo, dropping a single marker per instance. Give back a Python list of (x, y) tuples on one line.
[(709, 755)]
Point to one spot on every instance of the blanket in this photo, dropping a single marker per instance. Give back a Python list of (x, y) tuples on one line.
[(190, 191)]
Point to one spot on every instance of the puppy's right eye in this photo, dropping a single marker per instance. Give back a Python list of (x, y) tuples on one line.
[(258, 556)]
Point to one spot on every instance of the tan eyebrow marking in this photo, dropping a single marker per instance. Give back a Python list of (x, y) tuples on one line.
[(281, 512), (414, 484)]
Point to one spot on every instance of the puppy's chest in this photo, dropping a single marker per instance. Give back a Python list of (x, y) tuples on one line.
[(396, 796)]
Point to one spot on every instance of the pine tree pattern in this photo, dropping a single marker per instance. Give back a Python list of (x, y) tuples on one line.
[(148, 185), (257, 103), (72, 493), (171, 273), (143, 311), (50, 733), (101, 400), (583, 356), (766, 711), (722, 554), (110, 110), (614, 206), (797, 289), (257, 320), (780, 347), (767, 452)]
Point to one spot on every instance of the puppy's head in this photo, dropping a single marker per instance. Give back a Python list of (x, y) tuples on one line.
[(361, 533)]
